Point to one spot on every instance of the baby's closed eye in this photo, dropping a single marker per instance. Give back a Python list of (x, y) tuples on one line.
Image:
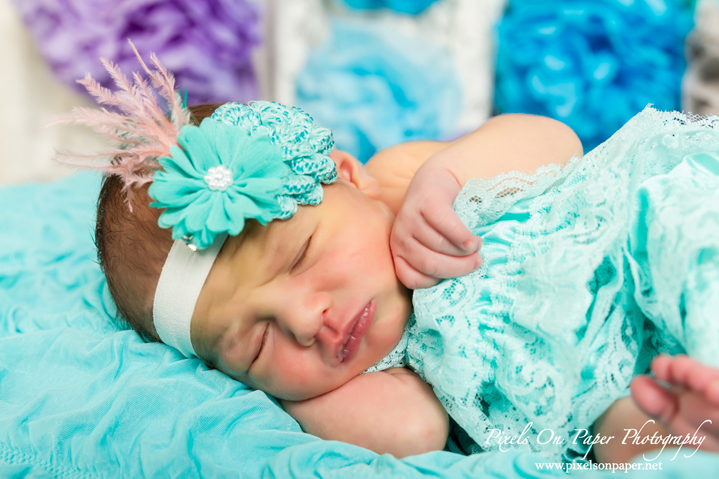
[(265, 335), (301, 255)]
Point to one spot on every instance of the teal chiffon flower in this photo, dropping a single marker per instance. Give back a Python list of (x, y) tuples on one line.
[(218, 178)]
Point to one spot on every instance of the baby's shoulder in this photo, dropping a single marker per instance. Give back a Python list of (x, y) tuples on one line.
[(394, 168), (404, 159)]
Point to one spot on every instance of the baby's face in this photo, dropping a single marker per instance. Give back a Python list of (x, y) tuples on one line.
[(299, 307)]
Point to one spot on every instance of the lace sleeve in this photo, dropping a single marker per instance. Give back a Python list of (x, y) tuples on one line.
[(483, 201)]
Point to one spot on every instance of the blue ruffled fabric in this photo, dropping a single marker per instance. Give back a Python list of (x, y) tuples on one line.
[(376, 88), (592, 64), (82, 397), (588, 273)]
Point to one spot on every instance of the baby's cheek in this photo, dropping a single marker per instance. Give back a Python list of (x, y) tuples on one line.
[(296, 376)]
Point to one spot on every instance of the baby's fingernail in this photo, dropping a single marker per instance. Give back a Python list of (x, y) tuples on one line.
[(477, 262), (473, 244)]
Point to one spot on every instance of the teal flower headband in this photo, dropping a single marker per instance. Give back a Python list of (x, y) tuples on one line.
[(256, 161)]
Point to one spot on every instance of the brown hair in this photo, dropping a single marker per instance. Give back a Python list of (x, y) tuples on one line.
[(132, 248)]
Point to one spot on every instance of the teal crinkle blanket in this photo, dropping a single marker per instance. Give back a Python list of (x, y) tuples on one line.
[(589, 271), (82, 397)]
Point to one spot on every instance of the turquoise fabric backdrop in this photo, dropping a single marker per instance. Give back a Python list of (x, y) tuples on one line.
[(81, 397)]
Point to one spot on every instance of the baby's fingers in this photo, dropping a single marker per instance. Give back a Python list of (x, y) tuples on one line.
[(446, 222), (652, 398), (432, 239), (686, 372), (429, 263), (410, 277)]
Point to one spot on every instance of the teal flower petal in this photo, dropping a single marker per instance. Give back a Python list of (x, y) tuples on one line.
[(177, 191), (179, 230), (177, 164), (170, 218), (218, 218), (259, 158), (203, 238), (248, 208), (197, 212), (200, 146), (230, 142)]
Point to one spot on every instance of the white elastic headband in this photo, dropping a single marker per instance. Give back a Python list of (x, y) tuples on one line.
[(178, 289)]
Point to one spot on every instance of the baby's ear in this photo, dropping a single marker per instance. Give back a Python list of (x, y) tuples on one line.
[(350, 169)]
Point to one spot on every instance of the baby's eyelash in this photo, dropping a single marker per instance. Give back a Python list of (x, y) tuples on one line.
[(262, 343), (302, 255)]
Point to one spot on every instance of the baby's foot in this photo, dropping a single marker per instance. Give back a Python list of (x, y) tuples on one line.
[(685, 402)]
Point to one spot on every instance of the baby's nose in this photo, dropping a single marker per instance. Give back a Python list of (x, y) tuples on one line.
[(306, 318)]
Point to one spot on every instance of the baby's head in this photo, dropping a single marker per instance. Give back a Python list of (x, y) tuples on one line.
[(296, 307)]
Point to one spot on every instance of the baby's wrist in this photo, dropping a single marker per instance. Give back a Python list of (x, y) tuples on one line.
[(445, 167)]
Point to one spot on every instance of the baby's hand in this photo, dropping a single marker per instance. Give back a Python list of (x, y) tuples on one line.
[(428, 240)]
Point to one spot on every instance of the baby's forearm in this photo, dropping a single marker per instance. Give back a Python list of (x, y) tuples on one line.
[(391, 411)]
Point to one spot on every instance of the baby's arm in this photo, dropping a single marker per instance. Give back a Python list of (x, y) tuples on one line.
[(391, 411), (428, 239), (515, 142)]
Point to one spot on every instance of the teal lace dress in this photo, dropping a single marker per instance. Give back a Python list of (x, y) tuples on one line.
[(589, 271)]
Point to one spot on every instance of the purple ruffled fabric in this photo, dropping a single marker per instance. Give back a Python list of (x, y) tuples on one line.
[(207, 44)]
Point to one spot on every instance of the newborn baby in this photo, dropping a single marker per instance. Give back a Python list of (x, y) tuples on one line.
[(299, 306)]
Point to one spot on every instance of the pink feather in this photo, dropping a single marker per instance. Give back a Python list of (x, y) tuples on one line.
[(139, 131)]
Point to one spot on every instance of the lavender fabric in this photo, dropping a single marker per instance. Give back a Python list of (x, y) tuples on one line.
[(207, 44)]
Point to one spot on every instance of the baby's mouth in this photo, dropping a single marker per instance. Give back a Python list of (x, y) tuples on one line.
[(359, 327)]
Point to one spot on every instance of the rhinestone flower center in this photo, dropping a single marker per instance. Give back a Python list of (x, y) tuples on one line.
[(218, 178)]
